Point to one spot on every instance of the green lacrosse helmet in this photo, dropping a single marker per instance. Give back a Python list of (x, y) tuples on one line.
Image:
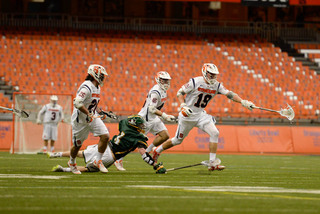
[(137, 122)]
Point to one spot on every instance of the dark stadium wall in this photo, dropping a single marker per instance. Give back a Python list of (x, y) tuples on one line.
[(233, 12), (225, 11)]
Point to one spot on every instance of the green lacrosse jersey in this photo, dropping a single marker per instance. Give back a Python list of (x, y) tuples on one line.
[(128, 139)]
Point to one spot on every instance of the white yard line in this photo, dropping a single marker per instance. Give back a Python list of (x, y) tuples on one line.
[(113, 196), (250, 189), (148, 208), (32, 176)]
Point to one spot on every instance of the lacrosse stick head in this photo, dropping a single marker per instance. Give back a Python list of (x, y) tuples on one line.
[(287, 112), (21, 113)]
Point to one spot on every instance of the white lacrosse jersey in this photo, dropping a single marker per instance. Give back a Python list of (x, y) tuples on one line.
[(199, 93), (90, 95), (156, 97), (52, 114)]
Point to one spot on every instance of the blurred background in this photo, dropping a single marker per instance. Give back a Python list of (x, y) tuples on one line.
[(267, 51)]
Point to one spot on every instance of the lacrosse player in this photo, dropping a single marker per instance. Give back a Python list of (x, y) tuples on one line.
[(85, 117), (199, 91), (52, 114), (129, 138), (151, 111)]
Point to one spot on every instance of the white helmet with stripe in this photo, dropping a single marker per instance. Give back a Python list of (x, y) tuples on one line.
[(209, 72), (163, 79), (98, 72)]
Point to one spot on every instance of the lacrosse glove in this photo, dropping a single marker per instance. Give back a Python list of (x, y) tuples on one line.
[(102, 116), (167, 117), (247, 104), (89, 118), (185, 110), (159, 168)]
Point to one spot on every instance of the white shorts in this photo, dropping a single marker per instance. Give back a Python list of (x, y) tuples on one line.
[(50, 131), (187, 123), (90, 153), (155, 126), (80, 131)]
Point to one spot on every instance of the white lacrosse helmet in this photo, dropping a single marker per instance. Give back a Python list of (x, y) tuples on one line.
[(163, 79), (211, 69), (98, 72), (54, 98)]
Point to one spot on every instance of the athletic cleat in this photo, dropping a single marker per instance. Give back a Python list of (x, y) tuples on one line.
[(155, 156), (73, 168), (119, 165), (100, 165), (57, 168), (217, 167)]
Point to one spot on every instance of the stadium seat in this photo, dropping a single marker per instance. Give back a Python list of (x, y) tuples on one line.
[(247, 64)]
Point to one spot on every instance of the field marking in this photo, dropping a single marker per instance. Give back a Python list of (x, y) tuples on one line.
[(54, 177), (112, 196), (55, 187), (144, 209), (250, 189), (272, 196)]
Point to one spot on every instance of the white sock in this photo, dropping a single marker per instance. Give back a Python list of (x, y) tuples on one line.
[(52, 148), (149, 149), (99, 156), (44, 148), (160, 149), (72, 160), (213, 156)]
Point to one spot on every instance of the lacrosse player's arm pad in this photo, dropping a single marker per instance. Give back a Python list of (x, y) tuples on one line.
[(230, 95), (181, 92), (78, 103), (147, 158), (152, 109)]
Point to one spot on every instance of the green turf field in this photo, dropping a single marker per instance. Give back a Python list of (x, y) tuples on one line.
[(249, 184)]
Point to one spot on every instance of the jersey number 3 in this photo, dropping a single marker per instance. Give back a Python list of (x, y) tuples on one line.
[(53, 115)]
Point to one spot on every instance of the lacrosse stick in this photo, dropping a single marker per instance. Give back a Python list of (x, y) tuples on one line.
[(286, 112), (216, 162), (109, 114), (19, 113)]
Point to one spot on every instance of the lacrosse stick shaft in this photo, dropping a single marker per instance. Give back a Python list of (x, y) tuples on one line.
[(112, 116), (4, 108), (19, 113), (182, 167), (266, 109)]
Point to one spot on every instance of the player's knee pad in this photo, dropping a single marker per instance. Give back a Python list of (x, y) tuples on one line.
[(175, 141)]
